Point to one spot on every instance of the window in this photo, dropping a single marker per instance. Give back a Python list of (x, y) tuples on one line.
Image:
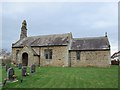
[(48, 53), (78, 55)]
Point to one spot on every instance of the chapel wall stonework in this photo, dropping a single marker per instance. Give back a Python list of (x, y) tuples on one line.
[(36, 60), (17, 58), (30, 55), (14, 54), (90, 58), (59, 56)]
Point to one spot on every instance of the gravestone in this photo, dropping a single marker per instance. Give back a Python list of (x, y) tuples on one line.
[(20, 65), (10, 74), (7, 67), (24, 71), (3, 64), (33, 68)]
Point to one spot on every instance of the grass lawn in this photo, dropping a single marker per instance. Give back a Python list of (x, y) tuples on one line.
[(66, 77)]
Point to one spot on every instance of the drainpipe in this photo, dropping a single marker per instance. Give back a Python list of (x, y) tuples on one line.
[(69, 59), (39, 57)]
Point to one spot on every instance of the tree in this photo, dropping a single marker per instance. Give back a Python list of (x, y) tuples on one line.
[(4, 53), (5, 56)]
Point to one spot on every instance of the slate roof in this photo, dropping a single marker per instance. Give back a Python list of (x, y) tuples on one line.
[(44, 40), (95, 43)]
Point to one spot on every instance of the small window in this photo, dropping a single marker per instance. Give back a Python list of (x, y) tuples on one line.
[(78, 55), (48, 53)]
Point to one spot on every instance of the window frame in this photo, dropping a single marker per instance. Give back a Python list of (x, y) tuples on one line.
[(78, 55), (48, 53)]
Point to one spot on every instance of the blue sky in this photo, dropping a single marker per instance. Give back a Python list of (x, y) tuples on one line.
[(83, 19)]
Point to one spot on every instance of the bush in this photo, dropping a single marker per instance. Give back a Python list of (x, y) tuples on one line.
[(6, 61)]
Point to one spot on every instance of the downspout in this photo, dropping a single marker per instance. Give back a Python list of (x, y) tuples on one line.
[(39, 57), (70, 44), (69, 58), (70, 52)]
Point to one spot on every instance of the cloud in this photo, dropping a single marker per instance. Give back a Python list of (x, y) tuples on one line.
[(13, 10), (61, 0), (103, 24), (114, 48), (102, 16), (82, 19)]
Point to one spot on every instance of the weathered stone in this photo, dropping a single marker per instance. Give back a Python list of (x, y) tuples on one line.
[(7, 66), (90, 58), (33, 68), (24, 71), (19, 65), (10, 74), (23, 30)]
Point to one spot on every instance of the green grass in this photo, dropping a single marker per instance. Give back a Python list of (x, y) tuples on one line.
[(65, 77)]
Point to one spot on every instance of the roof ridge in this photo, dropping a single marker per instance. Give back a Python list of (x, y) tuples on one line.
[(88, 38), (48, 35)]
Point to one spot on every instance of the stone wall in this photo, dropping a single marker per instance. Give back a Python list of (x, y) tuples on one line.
[(59, 56), (90, 58), (14, 56), (36, 60), (18, 57), (30, 55)]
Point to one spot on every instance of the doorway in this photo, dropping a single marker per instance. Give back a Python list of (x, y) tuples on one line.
[(24, 59)]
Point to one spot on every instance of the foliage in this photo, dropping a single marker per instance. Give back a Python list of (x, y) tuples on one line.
[(6, 61), (4, 52), (5, 56)]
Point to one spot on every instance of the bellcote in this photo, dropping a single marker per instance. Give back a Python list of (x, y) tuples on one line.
[(23, 30)]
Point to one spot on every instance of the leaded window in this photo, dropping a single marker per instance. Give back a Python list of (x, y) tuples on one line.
[(78, 55), (48, 53)]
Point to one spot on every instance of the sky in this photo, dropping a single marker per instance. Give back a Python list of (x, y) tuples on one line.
[(83, 19)]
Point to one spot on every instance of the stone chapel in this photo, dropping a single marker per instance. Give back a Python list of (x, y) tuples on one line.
[(61, 50)]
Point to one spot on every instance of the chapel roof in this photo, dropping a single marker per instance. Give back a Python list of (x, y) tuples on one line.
[(44, 40), (92, 43)]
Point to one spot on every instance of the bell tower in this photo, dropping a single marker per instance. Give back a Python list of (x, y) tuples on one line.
[(23, 30)]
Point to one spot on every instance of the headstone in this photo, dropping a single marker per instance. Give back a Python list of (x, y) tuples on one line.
[(21, 80), (3, 64), (19, 65), (33, 68), (7, 67), (10, 74), (24, 71)]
